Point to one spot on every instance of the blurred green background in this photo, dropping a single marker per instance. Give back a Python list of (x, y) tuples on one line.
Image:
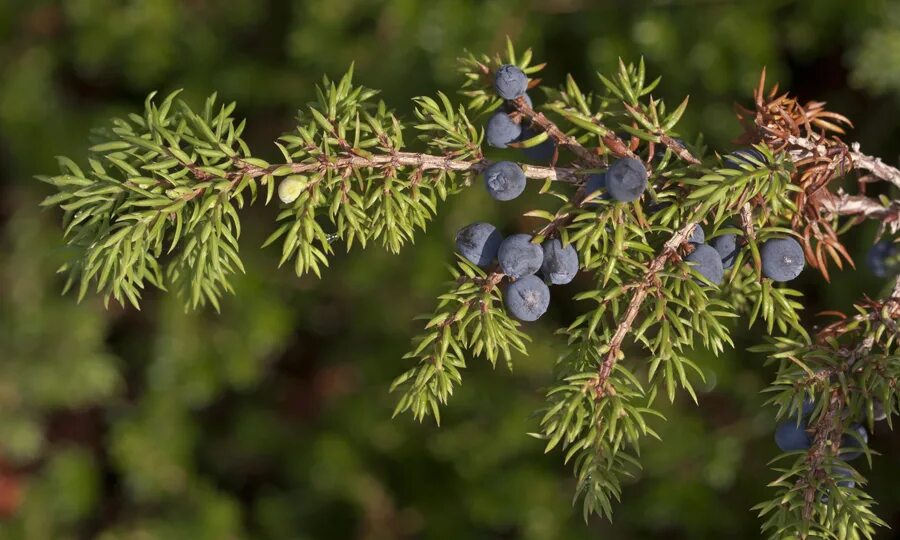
[(272, 420)]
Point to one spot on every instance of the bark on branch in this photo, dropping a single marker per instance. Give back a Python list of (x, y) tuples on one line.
[(423, 162), (858, 160), (639, 294)]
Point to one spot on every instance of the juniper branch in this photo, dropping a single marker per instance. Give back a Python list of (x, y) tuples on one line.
[(808, 147), (561, 137), (419, 161), (641, 290)]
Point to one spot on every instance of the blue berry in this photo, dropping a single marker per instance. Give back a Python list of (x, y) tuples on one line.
[(707, 262), (879, 413), (520, 257), (782, 259), (727, 247), (745, 157), (510, 81), (560, 263), (543, 152), (479, 243), (808, 407), (878, 255), (504, 180), (527, 298), (851, 446), (596, 183), (790, 437), (502, 130), (698, 236), (849, 482), (626, 179)]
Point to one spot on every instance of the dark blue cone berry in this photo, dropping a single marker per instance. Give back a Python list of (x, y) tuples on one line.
[(626, 179), (878, 255), (744, 158), (504, 180), (878, 411), (560, 263), (728, 249), (479, 243), (510, 81), (849, 482), (501, 130), (791, 437), (541, 153), (852, 443), (707, 262), (698, 236), (519, 257), (782, 259), (594, 185), (808, 407), (527, 298)]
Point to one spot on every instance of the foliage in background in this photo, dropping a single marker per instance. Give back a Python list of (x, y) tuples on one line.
[(309, 428)]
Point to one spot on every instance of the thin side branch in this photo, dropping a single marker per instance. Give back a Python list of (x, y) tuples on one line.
[(807, 148), (641, 290), (826, 434), (676, 147), (419, 161), (863, 207), (561, 137)]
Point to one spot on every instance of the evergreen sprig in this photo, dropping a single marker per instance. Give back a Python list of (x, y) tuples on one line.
[(158, 204), (466, 322)]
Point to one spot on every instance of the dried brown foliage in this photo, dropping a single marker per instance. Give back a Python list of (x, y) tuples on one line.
[(811, 134)]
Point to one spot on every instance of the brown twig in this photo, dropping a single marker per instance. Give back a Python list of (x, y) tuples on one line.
[(746, 214), (864, 208), (676, 147), (807, 147), (590, 158), (640, 291), (826, 434), (421, 162)]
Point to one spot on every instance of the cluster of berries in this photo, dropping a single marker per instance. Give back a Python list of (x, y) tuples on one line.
[(510, 82), (531, 266), (624, 181), (782, 257)]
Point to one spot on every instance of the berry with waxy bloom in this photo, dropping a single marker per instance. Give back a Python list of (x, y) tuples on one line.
[(479, 243), (527, 298), (504, 180), (519, 257), (510, 81), (560, 263), (502, 130), (707, 262), (626, 179), (782, 259)]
